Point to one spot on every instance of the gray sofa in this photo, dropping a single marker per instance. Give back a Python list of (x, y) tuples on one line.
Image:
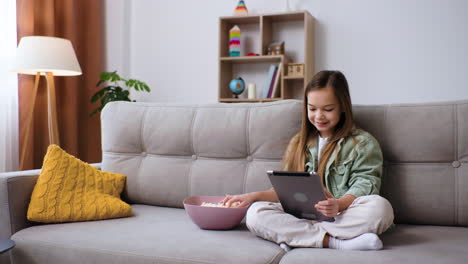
[(171, 151)]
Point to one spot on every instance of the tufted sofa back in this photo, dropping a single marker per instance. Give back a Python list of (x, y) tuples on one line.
[(171, 151), (425, 149)]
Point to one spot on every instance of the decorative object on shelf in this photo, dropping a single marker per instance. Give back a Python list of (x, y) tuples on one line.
[(49, 56), (269, 80), (275, 89), (252, 91), (253, 54), (237, 86), (276, 48), (241, 9), (234, 41), (295, 69), (115, 92)]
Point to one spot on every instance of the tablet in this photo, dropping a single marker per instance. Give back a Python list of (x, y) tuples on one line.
[(298, 193)]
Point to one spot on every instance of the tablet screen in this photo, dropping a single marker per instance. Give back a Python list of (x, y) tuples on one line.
[(298, 193)]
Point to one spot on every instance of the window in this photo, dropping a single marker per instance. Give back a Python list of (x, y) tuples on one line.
[(9, 133)]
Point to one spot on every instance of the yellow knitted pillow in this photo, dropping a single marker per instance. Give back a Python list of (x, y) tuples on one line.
[(69, 190)]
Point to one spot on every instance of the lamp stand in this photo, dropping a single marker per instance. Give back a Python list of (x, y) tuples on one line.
[(29, 121), (51, 114), (52, 110)]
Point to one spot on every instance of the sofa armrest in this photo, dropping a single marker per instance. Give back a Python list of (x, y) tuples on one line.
[(15, 193)]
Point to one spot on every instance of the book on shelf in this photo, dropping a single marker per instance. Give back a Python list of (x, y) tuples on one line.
[(268, 81), (275, 92), (272, 83)]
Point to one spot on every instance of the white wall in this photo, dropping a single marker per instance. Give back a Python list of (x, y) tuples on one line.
[(392, 51)]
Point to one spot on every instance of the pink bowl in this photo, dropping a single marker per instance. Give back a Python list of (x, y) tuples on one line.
[(213, 218)]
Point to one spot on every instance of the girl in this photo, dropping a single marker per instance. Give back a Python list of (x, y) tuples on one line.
[(349, 162)]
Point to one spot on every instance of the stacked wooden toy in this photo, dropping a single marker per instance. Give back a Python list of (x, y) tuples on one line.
[(234, 42), (241, 9)]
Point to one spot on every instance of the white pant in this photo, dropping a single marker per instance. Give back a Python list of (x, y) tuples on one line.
[(367, 214)]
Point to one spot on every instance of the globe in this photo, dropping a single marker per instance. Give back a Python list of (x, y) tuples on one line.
[(237, 86)]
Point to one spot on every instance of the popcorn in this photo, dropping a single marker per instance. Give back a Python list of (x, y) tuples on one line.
[(219, 204)]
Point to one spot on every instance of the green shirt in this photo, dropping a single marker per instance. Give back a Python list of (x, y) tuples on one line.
[(359, 167)]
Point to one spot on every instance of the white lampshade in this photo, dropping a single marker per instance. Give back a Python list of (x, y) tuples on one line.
[(46, 54)]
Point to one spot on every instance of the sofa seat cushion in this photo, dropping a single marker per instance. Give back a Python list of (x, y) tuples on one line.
[(153, 235), (402, 244)]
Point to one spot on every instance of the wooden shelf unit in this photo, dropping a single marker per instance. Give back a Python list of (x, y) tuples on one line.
[(262, 30)]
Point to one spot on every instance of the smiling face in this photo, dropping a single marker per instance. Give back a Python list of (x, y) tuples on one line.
[(323, 110)]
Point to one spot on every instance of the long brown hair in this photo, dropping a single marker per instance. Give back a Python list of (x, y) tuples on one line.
[(296, 154)]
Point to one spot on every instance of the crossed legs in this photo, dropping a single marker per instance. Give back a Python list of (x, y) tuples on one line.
[(367, 214)]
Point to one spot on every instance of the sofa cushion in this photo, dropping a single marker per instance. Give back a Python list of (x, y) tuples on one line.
[(425, 150), (171, 151), (403, 244), (69, 189), (153, 235)]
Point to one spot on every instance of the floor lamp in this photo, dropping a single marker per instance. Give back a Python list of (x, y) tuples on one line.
[(48, 56)]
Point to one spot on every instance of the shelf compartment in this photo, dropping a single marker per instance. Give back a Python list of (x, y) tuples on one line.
[(250, 30), (253, 59), (288, 16), (240, 20)]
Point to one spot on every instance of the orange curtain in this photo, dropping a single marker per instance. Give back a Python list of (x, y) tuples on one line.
[(82, 23)]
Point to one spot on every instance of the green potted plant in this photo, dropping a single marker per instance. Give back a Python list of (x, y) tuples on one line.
[(114, 91)]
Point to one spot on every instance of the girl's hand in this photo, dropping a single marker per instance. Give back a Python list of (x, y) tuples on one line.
[(329, 207), (245, 199)]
